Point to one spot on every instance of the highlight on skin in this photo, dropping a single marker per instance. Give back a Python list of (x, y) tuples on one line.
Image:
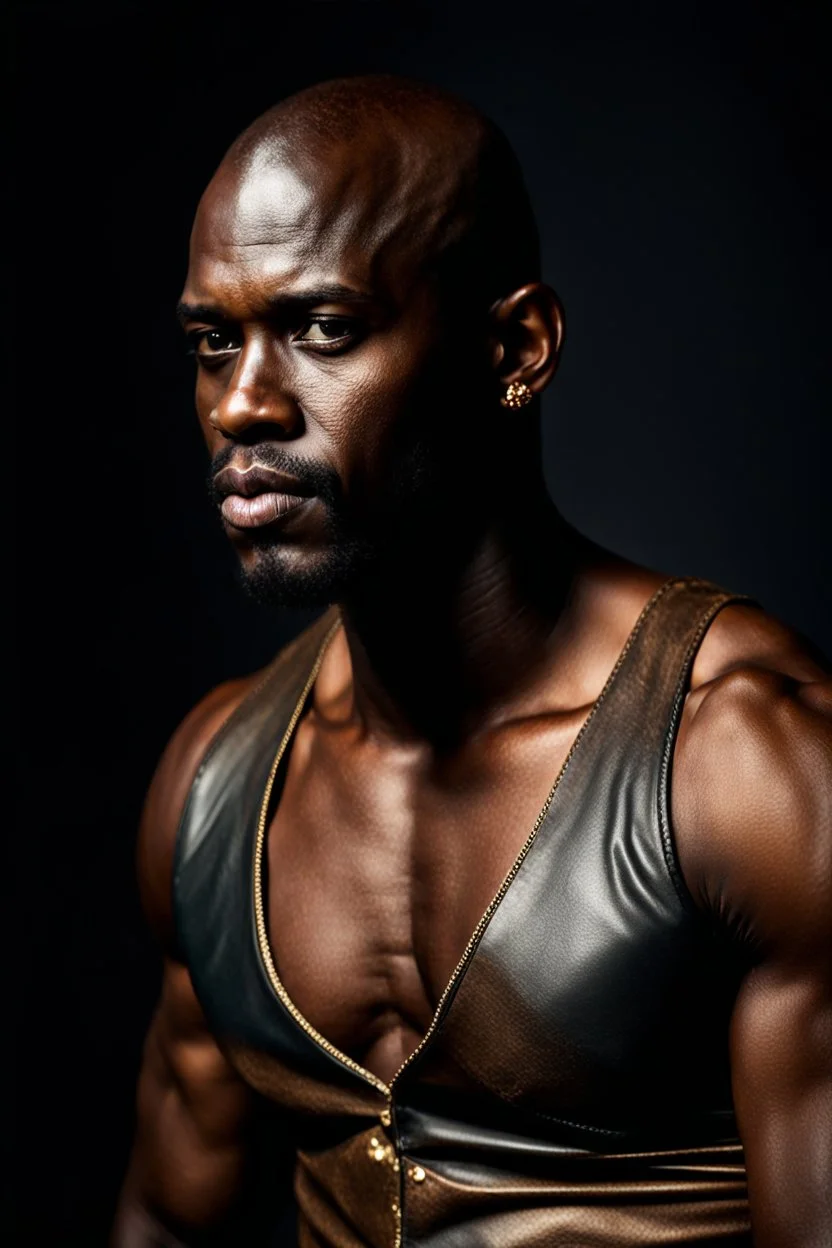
[(424, 196)]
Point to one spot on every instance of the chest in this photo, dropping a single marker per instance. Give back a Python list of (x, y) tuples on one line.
[(357, 879), (380, 871)]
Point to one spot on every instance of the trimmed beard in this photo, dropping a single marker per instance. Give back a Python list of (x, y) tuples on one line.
[(271, 583), (358, 549)]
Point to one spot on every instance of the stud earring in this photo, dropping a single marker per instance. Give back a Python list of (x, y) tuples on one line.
[(517, 394)]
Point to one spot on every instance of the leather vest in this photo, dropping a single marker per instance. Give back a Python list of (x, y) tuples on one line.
[(574, 1087)]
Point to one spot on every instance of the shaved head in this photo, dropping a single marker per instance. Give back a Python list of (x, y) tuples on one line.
[(363, 286), (409, 169)]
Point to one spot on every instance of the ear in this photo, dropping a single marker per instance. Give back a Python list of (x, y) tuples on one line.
[(527, 330)]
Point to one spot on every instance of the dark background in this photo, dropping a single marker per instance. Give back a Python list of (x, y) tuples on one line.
[(675, 155)]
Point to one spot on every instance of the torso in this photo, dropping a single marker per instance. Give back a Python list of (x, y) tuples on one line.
[(382, 859), (380, 869)]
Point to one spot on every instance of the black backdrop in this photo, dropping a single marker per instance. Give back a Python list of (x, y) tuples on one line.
[(675, 155)]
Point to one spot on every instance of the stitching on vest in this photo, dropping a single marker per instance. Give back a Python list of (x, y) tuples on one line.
[(582, 1126), (216, 741), (662, 796), (518, 864)]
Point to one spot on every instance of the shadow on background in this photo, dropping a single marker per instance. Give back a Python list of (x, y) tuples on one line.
[(675, 161)]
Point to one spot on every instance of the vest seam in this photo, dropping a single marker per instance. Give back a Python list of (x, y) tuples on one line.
[(667, 838), (447, 1001), (214, 744)]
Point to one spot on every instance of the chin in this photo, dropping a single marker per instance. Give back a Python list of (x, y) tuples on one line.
[(274, 577)]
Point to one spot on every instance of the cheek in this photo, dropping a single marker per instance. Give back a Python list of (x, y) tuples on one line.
[(385, 396)]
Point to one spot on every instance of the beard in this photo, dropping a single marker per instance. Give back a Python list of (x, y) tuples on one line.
[(359, 546), (270, 579)]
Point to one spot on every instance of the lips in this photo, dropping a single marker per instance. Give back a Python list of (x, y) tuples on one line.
[(257, 496), (260, 509)]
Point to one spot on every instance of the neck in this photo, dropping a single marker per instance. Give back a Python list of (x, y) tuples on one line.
[(441, 639)]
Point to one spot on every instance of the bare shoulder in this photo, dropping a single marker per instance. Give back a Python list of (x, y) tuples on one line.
[(751, 792), (168, 793)]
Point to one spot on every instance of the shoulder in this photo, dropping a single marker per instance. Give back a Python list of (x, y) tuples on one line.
[(180, 762), (168, 793), (751, 792)]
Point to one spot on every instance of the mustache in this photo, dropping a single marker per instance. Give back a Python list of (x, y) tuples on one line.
[(314, 478)]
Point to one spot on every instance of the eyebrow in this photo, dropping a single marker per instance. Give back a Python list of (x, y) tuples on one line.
[(280, 302)]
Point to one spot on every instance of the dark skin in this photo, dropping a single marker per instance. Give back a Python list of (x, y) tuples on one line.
[(439, 720)]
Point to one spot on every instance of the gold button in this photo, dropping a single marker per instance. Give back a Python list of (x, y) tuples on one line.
[(379, 1154), (386, 1118), (395, 1206), (374, 1142), (417, 1174)]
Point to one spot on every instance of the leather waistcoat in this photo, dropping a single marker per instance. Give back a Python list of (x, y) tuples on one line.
[(574, 1086)]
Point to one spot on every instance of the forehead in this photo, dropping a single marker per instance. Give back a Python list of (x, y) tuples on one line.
[(344, 216)]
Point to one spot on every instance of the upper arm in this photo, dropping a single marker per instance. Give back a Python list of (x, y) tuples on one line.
[(192, 1114), (781, 1060), (753, 815), (192, 1107)]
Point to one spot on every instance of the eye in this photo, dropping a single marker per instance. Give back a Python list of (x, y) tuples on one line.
[(327, 331), (209, 343)]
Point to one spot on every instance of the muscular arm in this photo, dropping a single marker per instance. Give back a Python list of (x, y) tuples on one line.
[(193, 1111), (753, 809)]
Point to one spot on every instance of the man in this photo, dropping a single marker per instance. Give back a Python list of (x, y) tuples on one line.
[(502, 895)]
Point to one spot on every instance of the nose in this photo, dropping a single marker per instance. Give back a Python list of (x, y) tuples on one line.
[(255, 396)]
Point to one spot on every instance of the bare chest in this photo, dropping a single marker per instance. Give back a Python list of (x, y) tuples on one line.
[(380, 873)]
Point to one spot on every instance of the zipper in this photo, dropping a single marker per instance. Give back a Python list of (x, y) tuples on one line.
[(518, 862), (470, 948), (259, 909), (262, 935)]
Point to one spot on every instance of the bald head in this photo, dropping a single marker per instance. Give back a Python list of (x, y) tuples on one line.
[(362, 290), (411, 177)]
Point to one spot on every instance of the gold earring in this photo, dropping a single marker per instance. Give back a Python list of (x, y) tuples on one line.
[(517, 394)]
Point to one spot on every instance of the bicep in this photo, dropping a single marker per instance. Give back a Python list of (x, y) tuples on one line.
[(193, 1109), (753, 812), (781, 1060), (192, 1114)]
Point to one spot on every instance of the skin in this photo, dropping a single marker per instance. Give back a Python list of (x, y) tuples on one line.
[(461, 676)]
